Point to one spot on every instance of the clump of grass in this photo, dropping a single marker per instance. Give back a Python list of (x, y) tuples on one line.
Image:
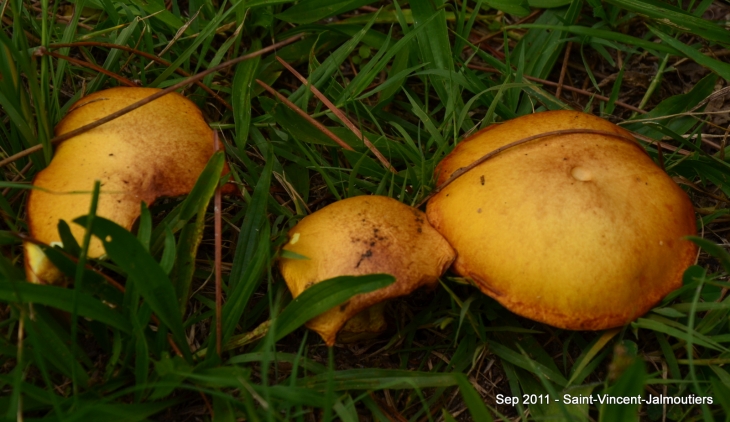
[(414, 78)]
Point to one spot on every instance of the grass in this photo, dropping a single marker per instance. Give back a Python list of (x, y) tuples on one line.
[(410, 78)]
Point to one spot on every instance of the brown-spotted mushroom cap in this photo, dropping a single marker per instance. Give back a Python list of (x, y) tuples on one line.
[(157, 150), (364, 235), (579, 231)]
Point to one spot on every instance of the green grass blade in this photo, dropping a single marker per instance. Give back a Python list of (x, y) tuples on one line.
[(473, 401), (113, 412), (682, 333), (308, 11), (378, 379), (517, 8), (184, 56), (433, 42), (239, 296), (56, 346), (192, 233), (713, 249), (324, 296), (157, 9), (541, 51), (721, 392), (676, 18), (629, 385), (364, 79), (252, 224), (63, 299), (589, 354), (721, 68), (243, 91), (524, 362), (548, 4), (605, 35), (323, 72), (146, 274), (112, 62), (167, 261)]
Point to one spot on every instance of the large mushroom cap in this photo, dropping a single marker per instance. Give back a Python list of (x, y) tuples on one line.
[(579, 231), (157, 150), (364, 235)]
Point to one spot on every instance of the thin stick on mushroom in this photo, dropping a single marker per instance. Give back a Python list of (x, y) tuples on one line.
[(458, 173), (151, 98)]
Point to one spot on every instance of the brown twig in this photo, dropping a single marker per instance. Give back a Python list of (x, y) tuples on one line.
[(563, 69), (392, 414), (178, 34), (352, 65), (683, 181), (218, 260), (205, 398), (528, 17), (565, 87), (92, 66), (487, 37), (369, 9), (309, 118), (151, 98), (461, 171), (148, 56), (666, 146), (136, 45), (719, 93), (661, 158), (340, 115), (18, 176), (581, 67)]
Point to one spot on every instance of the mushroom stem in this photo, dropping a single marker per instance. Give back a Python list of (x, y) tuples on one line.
[(365, 325)]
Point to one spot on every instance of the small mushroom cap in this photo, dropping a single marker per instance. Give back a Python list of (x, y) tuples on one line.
[(157, 150), (579, 231), (364, 235)]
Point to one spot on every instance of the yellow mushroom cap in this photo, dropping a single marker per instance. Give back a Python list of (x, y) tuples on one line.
[(579, 231), (364, 235), (157, 150)]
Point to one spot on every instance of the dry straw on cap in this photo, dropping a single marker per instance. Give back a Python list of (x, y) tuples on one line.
[(357, 236), (158, 150), (580, 231)]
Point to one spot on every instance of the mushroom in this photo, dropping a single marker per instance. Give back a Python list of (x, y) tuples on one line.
[(357, 236), (581, 231), (157, 150)]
